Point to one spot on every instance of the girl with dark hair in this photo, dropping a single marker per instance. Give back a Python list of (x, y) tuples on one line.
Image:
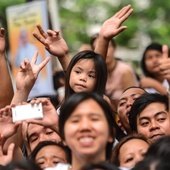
[(86, 127), (57, 46), (87, 72), (155, 66)]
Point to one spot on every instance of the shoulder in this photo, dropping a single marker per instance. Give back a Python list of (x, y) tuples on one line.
[(124, 65)]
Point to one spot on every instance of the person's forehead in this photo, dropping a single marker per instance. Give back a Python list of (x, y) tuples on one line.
[(152, 109), (52, 147), (34, 128), (79, 110), (153, 51), (131, 92)]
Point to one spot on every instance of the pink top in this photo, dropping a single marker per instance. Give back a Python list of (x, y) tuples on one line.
[(114, 85)]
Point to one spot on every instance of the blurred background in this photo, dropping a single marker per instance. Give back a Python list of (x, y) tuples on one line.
[(79, 19)]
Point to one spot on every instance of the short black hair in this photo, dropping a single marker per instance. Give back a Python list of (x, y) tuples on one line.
[(153, 163), (160, 148), (100, 165), (141, 103), (22, 164)]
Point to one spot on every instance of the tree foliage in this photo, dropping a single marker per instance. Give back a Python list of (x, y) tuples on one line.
[(149, 22), (79, 18)]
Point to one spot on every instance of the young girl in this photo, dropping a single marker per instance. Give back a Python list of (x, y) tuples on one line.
[(155, 66), (86, 72), (82, 116), (56, 45)]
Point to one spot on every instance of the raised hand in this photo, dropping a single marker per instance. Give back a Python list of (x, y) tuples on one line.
[(28, 72), (54, 44), (50, 116), (165, 63), (7, 127), (112, 26), (26, 77)]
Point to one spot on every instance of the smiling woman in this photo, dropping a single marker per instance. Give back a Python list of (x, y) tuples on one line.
[(130, 150), (80, 122)]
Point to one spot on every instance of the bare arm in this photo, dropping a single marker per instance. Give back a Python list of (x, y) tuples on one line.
[(110, 28), (147, 82), (6, 88), (54, 44)]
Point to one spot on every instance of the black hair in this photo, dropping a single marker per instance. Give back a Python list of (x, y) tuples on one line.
[(48, 143), (141, 103), (100, 165), (100, 68), (160, 148), (22, 164), (153, 163), (56, 79), (153, 46), (70, 105)]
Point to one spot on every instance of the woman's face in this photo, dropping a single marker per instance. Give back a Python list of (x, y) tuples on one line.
[(152, 59), (50, 156), (83, 76), (86, 131), (132, 152)]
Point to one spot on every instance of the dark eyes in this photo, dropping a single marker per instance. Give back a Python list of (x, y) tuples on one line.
[(77, 71), (33, 139), (91, 76), (49, 133), (144, 124), (129, 159), (122, 103)]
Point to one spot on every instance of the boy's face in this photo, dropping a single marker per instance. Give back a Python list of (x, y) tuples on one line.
[(154, 121)]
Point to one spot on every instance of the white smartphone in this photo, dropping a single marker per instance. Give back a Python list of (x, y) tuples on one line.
[(27, 111)]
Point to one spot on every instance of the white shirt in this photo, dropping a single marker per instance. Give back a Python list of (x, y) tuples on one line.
[(60, 166)]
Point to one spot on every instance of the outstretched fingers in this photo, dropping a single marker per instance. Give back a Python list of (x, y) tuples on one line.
[(124, 13), (43, 34), (165, 51), (34, 58), (43, 63), (41, 31)]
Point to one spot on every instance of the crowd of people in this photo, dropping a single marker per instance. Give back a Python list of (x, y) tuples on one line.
[(107, 117)]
